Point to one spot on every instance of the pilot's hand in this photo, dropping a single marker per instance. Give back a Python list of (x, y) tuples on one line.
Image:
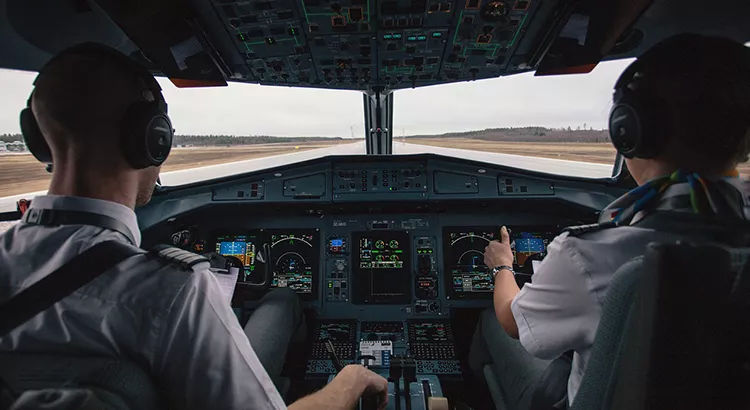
[(498, 253), (369, 383)]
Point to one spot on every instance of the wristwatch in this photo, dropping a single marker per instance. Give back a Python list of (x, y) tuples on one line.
[(497, 269)]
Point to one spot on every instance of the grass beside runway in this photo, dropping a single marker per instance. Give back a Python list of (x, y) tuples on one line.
[(21, 173)]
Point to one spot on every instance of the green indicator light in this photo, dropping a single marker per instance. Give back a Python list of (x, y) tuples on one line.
[(330, 285), (437, 34), (411, 38), (387, 36), (422, 38), (398, 251), (391, 188), (397, 35)]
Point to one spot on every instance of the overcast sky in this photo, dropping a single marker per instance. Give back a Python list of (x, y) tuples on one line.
[(245, 109)]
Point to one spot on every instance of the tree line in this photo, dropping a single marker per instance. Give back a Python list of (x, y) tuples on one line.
[(528, 134), (509, 134)]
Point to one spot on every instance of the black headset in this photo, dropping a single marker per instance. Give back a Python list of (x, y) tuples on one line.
[(146, 131), (638, 122)]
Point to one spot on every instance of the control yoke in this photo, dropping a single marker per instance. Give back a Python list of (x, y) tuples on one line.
[(264, 256)]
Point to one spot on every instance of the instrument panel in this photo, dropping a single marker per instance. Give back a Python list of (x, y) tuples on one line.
[(365, 263), (352, 247)]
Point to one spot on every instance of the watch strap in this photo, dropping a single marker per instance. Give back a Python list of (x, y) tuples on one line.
[(497, 269)]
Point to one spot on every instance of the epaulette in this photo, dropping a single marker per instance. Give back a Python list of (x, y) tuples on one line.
[(582, 229), (173, 255)]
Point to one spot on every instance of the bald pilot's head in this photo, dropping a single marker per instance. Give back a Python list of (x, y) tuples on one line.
[(80, 102)]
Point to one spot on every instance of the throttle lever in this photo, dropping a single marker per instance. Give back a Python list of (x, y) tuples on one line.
[(333, 356)]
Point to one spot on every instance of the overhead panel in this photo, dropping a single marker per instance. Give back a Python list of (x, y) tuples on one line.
[(361, 44)]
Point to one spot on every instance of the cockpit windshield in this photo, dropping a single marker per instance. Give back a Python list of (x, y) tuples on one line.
[(556, 125)]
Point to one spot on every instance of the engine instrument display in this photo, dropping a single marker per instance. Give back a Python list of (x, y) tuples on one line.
[(530, 245), (463, 253), (242, 247), (295, 260), (381, 267)]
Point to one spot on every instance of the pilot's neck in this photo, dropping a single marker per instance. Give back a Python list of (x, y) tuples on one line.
[(119, 187)]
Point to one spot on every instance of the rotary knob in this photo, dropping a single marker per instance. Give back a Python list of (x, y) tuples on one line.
[(340, 265)]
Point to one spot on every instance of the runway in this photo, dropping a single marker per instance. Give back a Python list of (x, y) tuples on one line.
[(552, 166)]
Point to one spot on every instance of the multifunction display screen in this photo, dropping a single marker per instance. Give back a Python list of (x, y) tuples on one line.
[(295, 256), (381, 267), (242, 247), (463, 249)]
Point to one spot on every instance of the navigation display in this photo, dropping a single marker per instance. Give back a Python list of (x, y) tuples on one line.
[(381, 267), (529, 245), (242, 247), (295, 258), (463, 253)]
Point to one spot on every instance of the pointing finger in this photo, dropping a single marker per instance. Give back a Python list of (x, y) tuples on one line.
[(504, 236)]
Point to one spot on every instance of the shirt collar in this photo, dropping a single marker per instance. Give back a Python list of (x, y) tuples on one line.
[(97, 206)]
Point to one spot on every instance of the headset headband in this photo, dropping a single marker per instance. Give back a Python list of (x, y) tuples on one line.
[(91, 48)]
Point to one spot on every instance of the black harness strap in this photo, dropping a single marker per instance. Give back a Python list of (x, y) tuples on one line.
[(54, 287)]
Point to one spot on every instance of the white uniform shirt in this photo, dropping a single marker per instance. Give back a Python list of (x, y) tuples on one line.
[(176, 324), (561, 307)]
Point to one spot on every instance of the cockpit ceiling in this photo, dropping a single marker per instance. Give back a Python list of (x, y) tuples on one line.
[(356, 44)]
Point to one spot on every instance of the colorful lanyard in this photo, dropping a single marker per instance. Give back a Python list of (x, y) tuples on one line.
[(645, 195)]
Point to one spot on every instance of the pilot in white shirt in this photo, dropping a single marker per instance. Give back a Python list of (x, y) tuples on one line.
[(173, 322), (690, 166)]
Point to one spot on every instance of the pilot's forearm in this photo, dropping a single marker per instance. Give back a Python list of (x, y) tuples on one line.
[(506, 289), (341, 393)]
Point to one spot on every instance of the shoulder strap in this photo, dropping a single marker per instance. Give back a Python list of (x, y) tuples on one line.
[(52, 217), (185, 259), (68, 278)]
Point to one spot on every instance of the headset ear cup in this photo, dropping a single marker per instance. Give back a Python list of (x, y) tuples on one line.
[(33, 138), (625, 129), (634, 128), (147, 138)]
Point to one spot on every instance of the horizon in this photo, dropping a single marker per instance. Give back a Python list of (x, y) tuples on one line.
[(568, 128)]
